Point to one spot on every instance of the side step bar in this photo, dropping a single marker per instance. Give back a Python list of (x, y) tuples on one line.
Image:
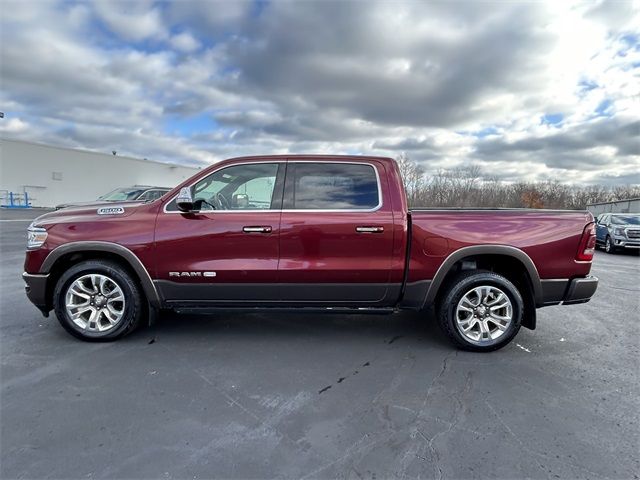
[(204, 310)]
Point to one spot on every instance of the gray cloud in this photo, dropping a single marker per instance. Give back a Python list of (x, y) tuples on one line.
[(329, 77), (624, 179), (339, 55), (569, 149)]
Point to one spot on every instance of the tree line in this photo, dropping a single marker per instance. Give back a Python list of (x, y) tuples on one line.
[(469, 187)]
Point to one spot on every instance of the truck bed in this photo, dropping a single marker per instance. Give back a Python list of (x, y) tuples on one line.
[(549, 237)]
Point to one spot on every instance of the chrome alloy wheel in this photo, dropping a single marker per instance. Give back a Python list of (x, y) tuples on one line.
[(95, 303), (483, 314)]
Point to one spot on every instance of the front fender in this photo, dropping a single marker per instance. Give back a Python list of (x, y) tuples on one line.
[(115, 249)]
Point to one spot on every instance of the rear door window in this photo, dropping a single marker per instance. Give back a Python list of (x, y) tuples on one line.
[(331, 186), (156, 194)]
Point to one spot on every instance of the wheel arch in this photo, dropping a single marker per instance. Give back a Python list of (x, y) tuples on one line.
[(69, 253), (511, 262)]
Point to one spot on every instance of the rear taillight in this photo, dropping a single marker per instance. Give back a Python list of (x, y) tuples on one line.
[(587, 244)]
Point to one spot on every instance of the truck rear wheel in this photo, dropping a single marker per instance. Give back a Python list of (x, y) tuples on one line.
[(481, 311), (98, 300)]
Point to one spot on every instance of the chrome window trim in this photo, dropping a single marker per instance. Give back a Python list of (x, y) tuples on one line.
[(340, 210), (289, 210)]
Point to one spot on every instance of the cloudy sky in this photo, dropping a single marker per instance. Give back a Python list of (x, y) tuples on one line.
[(525, 90)]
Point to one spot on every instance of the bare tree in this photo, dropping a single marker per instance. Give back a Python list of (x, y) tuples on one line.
[(468, 187), (412, 176)]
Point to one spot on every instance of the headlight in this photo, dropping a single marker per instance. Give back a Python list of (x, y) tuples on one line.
[(618, 231), (36, 237)]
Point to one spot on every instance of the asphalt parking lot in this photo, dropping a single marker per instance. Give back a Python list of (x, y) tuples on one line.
[(286, 396)]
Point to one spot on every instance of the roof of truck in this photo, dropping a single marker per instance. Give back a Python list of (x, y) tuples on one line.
[(344, 158)]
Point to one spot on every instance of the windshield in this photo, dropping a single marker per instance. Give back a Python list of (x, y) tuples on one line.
[(121, 194), (625, 219)]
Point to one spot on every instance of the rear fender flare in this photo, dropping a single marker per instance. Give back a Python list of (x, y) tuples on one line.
[(123, 252), (475, 250)]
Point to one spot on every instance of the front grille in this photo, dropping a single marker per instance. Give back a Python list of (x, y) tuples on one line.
[(633, 233)]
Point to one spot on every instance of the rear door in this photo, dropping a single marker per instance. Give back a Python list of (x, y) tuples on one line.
[(336, 234)]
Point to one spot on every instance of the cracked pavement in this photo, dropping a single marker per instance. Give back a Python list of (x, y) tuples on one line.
[(320, 396)]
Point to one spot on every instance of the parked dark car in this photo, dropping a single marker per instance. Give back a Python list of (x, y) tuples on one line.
[(618, 231), (139, 193), (307, 233)]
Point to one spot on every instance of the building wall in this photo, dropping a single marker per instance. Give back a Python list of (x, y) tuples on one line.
[(622, 206), (52, 175)]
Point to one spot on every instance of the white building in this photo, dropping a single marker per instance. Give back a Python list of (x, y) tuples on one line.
[(53, 175)]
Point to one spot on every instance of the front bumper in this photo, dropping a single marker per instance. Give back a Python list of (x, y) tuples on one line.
[(620, 242), (36, 290)]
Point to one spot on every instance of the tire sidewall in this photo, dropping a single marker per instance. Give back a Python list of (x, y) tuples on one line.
[(129, 288), (460, 288), (608, 246)]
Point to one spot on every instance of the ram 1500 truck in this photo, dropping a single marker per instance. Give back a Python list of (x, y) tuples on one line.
[(306, 232)]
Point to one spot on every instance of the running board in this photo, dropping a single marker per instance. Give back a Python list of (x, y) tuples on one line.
[(339, 310)]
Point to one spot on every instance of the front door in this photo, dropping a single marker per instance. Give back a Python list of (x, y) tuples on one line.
[(336, 234), (228, 250)]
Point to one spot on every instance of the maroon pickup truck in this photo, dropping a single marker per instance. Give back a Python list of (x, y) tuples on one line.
[(309, 233)]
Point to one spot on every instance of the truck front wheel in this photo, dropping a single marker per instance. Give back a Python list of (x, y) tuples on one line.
[(98, 300), (481, 311)]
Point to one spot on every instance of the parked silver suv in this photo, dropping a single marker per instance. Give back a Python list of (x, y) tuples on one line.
[(140, 193), (616, 231)]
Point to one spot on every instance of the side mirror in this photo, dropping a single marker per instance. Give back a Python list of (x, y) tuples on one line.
[(184, 200)]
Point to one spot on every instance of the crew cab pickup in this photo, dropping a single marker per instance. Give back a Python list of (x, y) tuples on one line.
[(306, 232)]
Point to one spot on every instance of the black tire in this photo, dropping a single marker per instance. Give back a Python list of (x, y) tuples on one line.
[(133, 306), (609, 247), (458, 288)]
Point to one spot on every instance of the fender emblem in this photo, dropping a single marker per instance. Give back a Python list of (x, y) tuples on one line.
[(110, 210), (192, 274)]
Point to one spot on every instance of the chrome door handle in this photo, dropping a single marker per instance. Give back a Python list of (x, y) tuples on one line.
[(369, 229), (265, 229)]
